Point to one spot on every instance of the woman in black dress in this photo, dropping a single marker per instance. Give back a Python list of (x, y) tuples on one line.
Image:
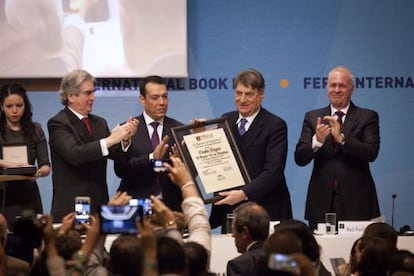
[(17, 127)]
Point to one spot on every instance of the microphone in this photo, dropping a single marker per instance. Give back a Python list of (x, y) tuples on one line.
[(392, 210)]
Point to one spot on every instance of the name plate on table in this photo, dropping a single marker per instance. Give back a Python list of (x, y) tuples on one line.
[(353, 227)]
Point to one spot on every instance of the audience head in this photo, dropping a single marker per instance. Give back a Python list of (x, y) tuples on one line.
[(250, 223), (68, 243), (77, 90), (125, 256), (355, 255), (376, 256), (249, 91), (170, 256), (310, 246), (154, 96), (282, 241), (197, 257), (381, 230), (402, 261)]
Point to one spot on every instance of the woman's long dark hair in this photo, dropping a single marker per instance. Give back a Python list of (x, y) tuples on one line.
[(26, 120)]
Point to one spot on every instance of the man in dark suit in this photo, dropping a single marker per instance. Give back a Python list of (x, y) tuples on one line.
[(263, 145), (341, 139), (134, 166), (250, 229), (79, 150)]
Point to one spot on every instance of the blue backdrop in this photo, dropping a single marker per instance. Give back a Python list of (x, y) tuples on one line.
[(297, 42)]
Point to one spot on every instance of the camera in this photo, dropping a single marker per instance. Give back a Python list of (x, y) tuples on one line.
[(158, 165), (145, 203), (26, 235), (82, 209), (283, 262), (120, 219)]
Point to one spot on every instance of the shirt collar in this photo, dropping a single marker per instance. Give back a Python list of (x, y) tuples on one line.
[(77, 114), (250, 118), (149, 120), (344, 110)]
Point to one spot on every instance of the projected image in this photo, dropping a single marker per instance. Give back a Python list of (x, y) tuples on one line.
[(108, 38)]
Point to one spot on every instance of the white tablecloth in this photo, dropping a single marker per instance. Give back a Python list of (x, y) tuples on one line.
[(224, 249)]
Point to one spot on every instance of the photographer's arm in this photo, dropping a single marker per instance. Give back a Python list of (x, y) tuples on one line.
[(193, 207)]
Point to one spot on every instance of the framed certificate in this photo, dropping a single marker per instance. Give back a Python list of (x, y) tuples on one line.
[(211, 154)]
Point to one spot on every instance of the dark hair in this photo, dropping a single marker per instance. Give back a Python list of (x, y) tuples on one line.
[(310, 246), (403, 261), (381, 230), (283, 242), (26, 120), (254, 217), (251, 77), (125, 256), (67, 244), (150, 79), (170, 256), (197, 257), (376, 256)]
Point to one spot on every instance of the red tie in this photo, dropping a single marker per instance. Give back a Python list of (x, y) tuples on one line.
[(85, 120)]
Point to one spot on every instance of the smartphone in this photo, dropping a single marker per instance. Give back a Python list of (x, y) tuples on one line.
[(157, 165), (283, 262), (82, 209), (120, 219), (145, 203)]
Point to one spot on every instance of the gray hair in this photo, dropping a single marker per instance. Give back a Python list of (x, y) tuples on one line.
[(71, 83)]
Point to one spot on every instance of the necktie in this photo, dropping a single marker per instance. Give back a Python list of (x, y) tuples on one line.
[(339, 114), (242, 125), (85, 120), (155, 139)]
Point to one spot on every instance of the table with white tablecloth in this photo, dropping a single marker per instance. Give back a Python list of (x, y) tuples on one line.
[(333, 246)]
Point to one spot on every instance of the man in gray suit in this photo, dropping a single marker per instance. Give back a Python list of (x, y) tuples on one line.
[(341, 139), (80, 144)]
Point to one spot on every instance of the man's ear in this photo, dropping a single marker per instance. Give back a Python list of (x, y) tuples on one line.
[(245, 232)]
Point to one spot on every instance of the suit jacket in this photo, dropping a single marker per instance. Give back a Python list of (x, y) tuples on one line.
[(246, 263), (135, 169), (264, 150), (349, 165), (78, 167)]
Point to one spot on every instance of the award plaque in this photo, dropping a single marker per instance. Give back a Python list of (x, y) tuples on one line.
[(15, 153), (210, 152)]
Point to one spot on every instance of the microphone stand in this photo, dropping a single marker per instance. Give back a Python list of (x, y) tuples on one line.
[(392, 210)]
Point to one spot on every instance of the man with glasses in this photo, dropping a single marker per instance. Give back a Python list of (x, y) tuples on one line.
[(80, 144)]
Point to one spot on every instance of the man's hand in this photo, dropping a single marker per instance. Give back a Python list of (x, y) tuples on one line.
[(322, 130), (231, 197), (335, 127), (161, 148), (120, 199)]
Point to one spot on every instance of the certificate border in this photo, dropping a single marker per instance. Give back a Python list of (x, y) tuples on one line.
[(180, 131)]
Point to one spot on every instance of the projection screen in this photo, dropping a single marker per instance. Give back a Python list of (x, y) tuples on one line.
[(108, 38)]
